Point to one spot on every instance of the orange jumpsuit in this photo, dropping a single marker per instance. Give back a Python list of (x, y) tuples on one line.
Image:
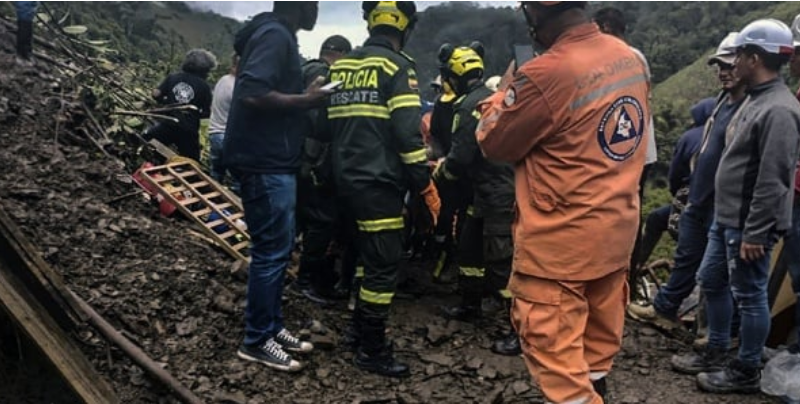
[(575, 123)]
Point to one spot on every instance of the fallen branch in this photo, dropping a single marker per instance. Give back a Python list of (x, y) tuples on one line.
[(136, 354), (146, 114)]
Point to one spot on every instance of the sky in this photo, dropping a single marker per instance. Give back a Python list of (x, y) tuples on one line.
[(335, 18)]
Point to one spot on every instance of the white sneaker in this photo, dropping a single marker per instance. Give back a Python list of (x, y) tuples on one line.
[(293, 344)]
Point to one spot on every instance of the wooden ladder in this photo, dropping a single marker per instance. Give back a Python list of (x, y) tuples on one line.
[(200, 198)]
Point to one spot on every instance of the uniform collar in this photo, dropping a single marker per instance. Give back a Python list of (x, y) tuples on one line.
[(578, 32), (766, 86), (379, 41)]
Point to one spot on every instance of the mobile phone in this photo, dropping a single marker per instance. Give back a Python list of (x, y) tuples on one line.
[(333, 85)]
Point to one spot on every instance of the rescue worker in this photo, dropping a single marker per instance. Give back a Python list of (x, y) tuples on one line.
[(574, 122), (456, 196), (378, 155), (752, 206), (316, 195), (484, 247)]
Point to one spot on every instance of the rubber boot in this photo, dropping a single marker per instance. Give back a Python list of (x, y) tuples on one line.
[(471, 296), (375, 355), (24, 39), (601, 388)]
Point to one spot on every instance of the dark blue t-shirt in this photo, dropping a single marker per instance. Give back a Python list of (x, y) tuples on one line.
[(701, 190), (257, 140)]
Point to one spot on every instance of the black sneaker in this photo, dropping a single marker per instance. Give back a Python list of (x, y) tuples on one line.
[(382, 363), (293, 344), (707, 360), (735, 378), (270, 354), (508, 345)]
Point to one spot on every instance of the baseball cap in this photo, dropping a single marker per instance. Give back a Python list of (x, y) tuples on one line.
[(336, 43), (726, 52)]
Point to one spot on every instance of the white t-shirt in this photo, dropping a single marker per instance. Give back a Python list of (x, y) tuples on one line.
[(652, 149), (221, 104)]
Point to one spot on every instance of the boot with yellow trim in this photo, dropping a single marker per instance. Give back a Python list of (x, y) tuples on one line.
[(376, 354)]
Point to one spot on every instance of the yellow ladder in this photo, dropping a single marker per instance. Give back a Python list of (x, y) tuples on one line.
[(200, 197)]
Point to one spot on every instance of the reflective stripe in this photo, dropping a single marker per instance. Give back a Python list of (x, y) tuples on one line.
[(470, 211), (472, 272), (476, 114), (360, 271), (358, 111), (404, 101), (607, 89), (505, 293), (447, 174), (375, 297), (437, 271), (354, 64), (418, 156), (373, 226)]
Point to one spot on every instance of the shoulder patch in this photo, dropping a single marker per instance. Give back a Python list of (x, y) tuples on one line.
[(620, 131)]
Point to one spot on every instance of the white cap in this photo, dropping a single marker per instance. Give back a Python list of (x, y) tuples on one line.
[(726, 51)]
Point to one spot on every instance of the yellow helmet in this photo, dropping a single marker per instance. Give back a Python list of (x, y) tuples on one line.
[(396, 14), (461, 61)]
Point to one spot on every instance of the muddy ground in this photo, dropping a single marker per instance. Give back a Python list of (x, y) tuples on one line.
[(178, 298)]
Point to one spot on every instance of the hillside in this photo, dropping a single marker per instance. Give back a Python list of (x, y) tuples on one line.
[(152, 36)]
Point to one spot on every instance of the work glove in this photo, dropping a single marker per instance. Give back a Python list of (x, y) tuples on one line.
[(431, 197)]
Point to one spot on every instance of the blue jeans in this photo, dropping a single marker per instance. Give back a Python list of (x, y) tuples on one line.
[(692, 239), (26, 10), (791, 252), (723, 272), (269, 207), (215, 156)]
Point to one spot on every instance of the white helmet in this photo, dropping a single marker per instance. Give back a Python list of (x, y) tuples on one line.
[(796, 30), (726, 51), (769, 34)]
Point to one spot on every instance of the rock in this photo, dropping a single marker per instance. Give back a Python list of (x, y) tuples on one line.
[(487, 373), (430, 370), (186, 327), (437, 334), (630, 398), (495, 396), (439, 359), (323, 373), (405, 398), (520, 387), (230, 398), (643, 371), (324, 342), (474, 364), (647, 332), (317, 327)]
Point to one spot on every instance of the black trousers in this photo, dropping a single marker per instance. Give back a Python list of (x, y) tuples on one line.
[(484, 257), (318, 214), (378, 212)]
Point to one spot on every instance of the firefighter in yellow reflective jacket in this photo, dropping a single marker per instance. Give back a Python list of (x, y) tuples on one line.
[(373, 121), (485, 247)]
